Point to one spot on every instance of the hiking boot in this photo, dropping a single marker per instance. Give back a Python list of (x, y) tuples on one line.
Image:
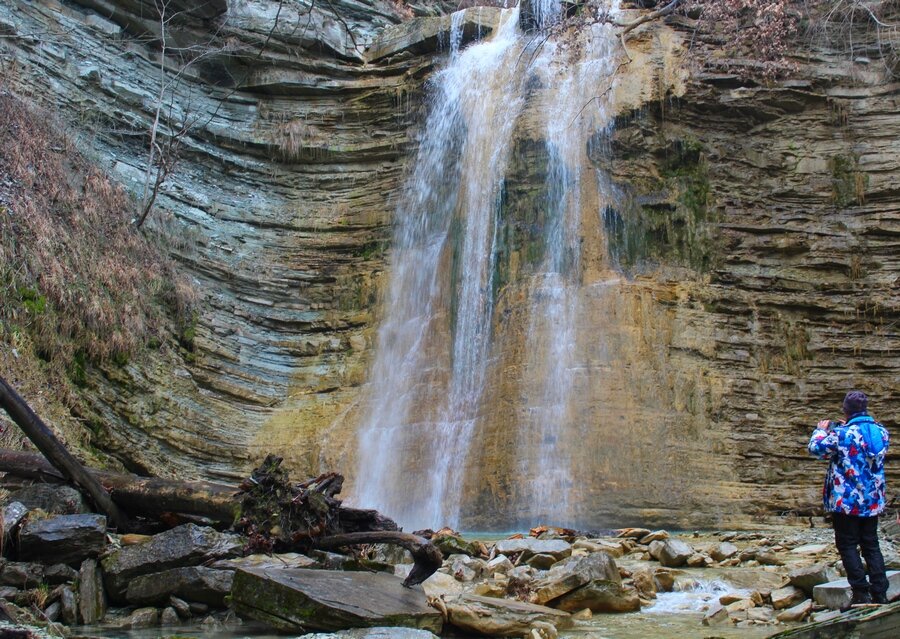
[(859, 598), (879, 597)]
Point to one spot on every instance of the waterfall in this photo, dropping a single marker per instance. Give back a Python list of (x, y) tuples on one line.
[(440, 285), (434, 347)]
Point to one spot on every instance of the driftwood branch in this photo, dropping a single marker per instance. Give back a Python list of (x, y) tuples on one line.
[(628, 27), (427, 556), (46, 442)]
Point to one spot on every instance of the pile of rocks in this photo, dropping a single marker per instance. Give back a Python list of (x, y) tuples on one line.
[(65, 567)]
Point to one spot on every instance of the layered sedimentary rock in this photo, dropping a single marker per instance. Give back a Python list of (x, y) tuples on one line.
[(741, 279)]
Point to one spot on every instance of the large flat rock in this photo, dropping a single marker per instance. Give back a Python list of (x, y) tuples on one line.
[(875, 622), (837, 594), (294, 599), (193, 583)]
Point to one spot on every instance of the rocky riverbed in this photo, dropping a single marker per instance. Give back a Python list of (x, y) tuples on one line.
[(66, 573)]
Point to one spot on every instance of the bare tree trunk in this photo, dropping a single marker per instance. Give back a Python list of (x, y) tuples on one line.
[(46, 442)]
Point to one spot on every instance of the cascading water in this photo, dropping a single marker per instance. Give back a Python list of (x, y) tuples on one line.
[(434, 349), (426, 388)]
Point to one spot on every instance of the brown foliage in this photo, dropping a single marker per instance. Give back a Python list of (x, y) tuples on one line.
[(74, 273)]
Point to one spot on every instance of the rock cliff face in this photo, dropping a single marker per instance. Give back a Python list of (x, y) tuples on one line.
[(745, 276)]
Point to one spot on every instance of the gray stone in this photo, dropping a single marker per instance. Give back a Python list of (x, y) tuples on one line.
[(796, 613), (810, 549), (60, 574), (808, 577), (768, 558), (574, 574), (91, 595), (193, 583), (67, 539), (52, 612), (55, 499), (541, 561), (21, 574), (181, 607), (283, 560), (787, 597), (600, 596), (499, 564), (716, 614), (674, 553), (141, 618), (8, 592), (723, 551), (454, 545), (69, 606), (169, 617), (501, 617), (198, 608), (13, 513), (530, 546), (836, 594), (289, 599), (180, 547)]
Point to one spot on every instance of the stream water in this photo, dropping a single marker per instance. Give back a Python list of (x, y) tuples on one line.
[(437, 339)]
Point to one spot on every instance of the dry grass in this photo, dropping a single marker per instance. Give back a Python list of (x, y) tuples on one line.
[(75, 276)]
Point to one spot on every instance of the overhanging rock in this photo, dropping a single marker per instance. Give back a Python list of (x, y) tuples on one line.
[(427, 35)]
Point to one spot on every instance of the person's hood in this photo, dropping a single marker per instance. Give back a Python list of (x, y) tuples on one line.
[(871, 434)]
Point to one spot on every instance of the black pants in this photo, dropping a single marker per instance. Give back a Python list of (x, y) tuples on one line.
[(851, 533)]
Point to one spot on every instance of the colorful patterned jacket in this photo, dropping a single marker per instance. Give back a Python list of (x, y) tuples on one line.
[(854, 484)]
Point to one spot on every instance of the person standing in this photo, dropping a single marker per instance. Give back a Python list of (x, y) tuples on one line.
[(854, 492)]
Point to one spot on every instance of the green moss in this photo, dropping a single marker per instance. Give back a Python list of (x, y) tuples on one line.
[(33, 301), (848, 183), (78, 369), (677, 227)]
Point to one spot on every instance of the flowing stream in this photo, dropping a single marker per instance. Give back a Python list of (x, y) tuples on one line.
[(434, 351)]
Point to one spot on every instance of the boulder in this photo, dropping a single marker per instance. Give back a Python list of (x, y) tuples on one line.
[(664, 579), (600, 596), (541, 561), (645, 583), (574, 574), (193, 583), (21, 574), (59, 574), (768, 558), (796, 613), (55, 499), (723, 551), (634, 533), (491, 588), (559, 548), (786, 597), (183, 546), (501, 617), (674, 553), (464, 567), (181, 607), (836, 594), (808, 577), (293, 598), (68, 606), (499, 564), (169, 617), (67, 539), (13, 513), (141, 618), (91, 596), (440, 583), (455, 545), (716, 615)]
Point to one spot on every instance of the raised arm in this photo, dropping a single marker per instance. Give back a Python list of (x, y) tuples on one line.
[(824, 442)]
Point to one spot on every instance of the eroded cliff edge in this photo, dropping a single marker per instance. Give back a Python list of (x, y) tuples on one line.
[(756, 239)]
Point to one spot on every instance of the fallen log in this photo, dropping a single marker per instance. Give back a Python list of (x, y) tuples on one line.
[(275, 515), (46, 442)]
